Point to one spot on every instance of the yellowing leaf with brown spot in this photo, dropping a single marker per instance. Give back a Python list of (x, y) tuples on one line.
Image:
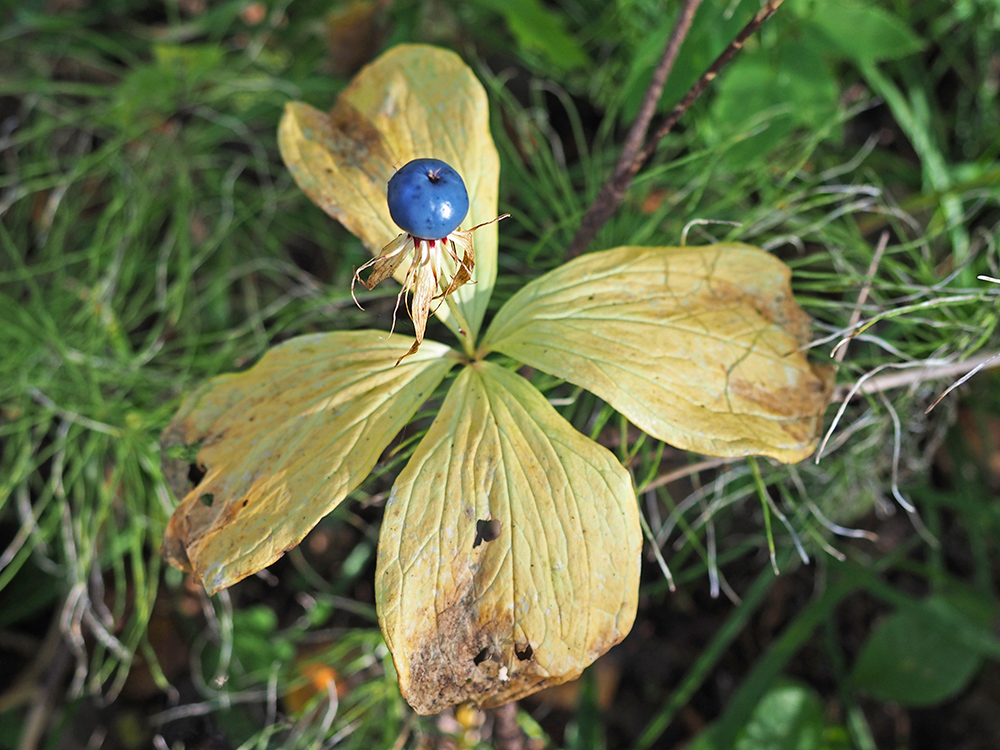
[(509, 554), (284, 442), (698, 346), (414, 101)]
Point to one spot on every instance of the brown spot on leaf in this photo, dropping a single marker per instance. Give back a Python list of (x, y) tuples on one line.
[(803, 404), (775, 305), (468, 654), (355, 140)]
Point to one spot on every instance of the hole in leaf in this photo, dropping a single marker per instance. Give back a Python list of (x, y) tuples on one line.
[(481, 656), (207, 499), (486, 531), (524, 652), (195, 474)]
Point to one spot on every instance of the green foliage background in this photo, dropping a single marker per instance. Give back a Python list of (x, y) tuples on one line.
[(150, 238)]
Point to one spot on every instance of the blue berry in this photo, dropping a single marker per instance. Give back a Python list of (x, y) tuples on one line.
[(427, 198)]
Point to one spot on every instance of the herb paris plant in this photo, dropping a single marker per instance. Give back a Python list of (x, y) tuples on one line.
[(428, 200), (509, 554)]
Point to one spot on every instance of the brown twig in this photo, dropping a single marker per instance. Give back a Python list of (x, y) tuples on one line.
[(709, 75), (916, 374), (613, 191), (39, 717), (686, 471), (883, 242), (910, 373), (507, 735), (611, 195)]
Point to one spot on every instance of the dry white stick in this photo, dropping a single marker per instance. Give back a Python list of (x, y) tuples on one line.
[(934, 371)]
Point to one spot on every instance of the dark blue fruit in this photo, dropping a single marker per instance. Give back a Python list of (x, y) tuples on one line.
[(427, 198)]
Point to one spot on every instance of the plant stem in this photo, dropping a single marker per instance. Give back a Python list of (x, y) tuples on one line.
[(613, 192), (708, 76), (935, 371), (507, 735)]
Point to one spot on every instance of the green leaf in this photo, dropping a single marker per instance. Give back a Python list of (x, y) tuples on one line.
[(509, 555), (698, 346), (863, 31), (970, 616), (797, 78), (913, 656), (766, 95), (414, 101), (257, 644), (541, 30), (284, 442), (788, 717)]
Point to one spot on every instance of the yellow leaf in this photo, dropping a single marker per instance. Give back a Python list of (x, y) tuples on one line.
[(284, 442), (698, 346), (414, 101), (509, 554)]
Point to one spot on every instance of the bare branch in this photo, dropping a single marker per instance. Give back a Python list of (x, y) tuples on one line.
[(611, 195), (507, 735), (917, 374), (613, 191), (708, 76)]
